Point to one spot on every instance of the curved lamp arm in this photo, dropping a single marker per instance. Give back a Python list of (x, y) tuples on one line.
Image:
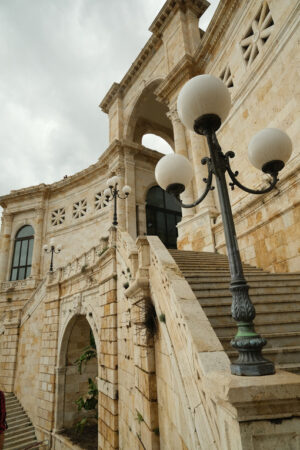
[(235, 181), (122, 198), (208, 188)]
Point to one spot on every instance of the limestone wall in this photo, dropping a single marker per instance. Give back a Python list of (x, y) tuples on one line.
[(27, 382), (264, 95)]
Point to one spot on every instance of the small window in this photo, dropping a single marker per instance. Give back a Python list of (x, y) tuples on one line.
[(22, 257)]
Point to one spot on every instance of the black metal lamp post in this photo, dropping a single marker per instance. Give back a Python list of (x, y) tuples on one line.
[(203, 103), (52, 249), (113, 192)]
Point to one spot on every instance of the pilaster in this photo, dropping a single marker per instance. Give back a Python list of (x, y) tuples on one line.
[(9, 350), (47, 372), (38, 236), (181, 149), (7, 220)]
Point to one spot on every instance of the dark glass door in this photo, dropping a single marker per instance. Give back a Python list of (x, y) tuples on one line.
[(162, 215)]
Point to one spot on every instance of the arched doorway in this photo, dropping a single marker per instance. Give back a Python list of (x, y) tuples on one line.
[(74, 382), (163, 213)]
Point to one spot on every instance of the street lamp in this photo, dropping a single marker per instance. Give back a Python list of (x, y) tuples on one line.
[(203, 104), (112, 193), (52, 249)]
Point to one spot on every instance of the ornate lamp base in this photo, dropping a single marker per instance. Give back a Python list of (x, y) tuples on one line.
[(250, 361)]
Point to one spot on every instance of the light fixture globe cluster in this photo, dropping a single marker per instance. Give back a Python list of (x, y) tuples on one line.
[(173, 167), (203, 104), (202, 96), (112, 192), (269, 150)]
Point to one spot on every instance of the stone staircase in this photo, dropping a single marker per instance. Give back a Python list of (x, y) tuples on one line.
[(276, 298), (20, 434)]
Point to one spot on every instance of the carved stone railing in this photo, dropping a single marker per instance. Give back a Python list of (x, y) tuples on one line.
[(221, 411), (34, 301), (18, 285), (128, 253)]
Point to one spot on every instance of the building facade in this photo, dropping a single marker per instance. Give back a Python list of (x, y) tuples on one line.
[(174, 390)]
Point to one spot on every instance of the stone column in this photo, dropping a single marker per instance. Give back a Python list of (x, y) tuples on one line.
[(181, 149), (5, 244), (121, 207), (130, 202), (37, 247)]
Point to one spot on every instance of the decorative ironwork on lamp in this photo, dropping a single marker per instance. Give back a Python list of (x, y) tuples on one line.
[(203, 104), (52, 248), (112, 192)]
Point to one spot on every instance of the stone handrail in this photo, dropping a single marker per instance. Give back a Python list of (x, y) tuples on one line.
[(216, 404), (128, 251), (29, 283), (34, 301), (81, 263)]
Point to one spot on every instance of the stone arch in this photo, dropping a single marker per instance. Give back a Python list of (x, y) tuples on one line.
[(70, 384), (148, 115)]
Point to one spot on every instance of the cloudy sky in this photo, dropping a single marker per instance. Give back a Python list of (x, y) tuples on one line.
[(58, 60)]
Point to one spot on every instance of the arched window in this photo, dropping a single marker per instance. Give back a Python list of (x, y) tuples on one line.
[(162, 213), (21, 263)]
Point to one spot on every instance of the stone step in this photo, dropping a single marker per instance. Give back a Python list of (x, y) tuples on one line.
[(278, 318), (215, 291), (265, 277), (22, 444), (279, 355), (18, 434), (256, 299), (253, 284), (262, 328), (14, 406), (260, 307), (14, 413), (287, 339), (17, 420), (290, 367), (276, 298)]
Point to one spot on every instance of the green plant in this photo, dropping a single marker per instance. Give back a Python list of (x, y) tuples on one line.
[(90, 402), (162, 318), (89, 353), (139, 417), (9, 299), (102, 251), (83, 268), (79, 427)]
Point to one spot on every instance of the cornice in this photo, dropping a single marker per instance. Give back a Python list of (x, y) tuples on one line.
[(119, 89), (169, 9), (214, 31), (182, 72), (154, 42)]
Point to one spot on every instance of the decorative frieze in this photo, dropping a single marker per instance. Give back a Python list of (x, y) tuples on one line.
[(58, 216), (257, 34), (100, 201), (226, 77), (79, 209)]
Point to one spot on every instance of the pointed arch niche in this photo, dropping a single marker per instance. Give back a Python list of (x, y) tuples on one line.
[(71, 384)]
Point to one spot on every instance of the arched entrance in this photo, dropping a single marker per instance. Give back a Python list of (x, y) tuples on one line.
[(163, 213), (72, 383)]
